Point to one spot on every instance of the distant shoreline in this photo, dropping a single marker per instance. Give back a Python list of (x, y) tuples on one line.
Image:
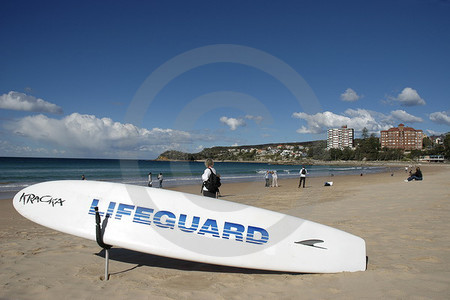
[(310, 162), (320, 162), (4, 195), (389, 166)]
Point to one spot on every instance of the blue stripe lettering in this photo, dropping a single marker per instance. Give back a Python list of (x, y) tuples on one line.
[(93, 205), (264, 235), (210, 223), (182, 223), (110, 210), (124, 210), (169, 222), (142, 215), (235, 229)]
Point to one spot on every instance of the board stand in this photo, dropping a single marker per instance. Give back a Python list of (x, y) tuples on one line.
[(99, 238), (106, 264)]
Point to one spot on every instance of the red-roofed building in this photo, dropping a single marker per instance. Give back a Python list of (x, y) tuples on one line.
[(401, 137)]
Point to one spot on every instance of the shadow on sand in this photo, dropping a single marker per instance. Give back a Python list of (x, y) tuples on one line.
[(140, 259)]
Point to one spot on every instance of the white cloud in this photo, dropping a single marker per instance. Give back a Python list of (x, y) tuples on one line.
[(257, 119), (319, 122), (19, 101), (409, 97), (233, 123), (356, 119), (304, 130), (403, 116), (434, 133), (440, 117), (87, 133), (9, 149), (350, 95)]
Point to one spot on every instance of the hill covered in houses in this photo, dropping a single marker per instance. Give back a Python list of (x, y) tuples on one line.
[(367, 148), (262, 153)]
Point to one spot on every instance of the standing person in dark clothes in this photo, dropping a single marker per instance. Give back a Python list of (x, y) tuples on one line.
[(150, 180), (303, 173), (160, 179), (209, 163)]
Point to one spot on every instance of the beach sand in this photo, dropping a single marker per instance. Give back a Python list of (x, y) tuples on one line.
[(405, 226)]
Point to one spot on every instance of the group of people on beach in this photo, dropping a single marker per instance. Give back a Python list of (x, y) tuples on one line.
[(211, 179), (271, 178), (211, 189), (150, 179)]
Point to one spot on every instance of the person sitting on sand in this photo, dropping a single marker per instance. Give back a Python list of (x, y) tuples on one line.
[(415, 176)]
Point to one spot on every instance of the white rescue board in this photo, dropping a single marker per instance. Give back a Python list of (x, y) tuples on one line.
[(191, 227)]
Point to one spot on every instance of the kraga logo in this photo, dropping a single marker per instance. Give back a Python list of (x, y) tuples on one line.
[(32, 199), (169, 220)]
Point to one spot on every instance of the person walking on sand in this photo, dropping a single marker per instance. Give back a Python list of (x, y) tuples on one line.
[(211, 180), (303, 173), (150, 180), (274, 179), (160, 179)]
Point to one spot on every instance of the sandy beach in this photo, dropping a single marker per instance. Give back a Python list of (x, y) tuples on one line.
[(405, 226)]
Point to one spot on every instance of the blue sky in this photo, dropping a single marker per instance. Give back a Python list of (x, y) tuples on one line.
[(131, 79)]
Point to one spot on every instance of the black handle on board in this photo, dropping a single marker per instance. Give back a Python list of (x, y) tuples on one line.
[(99, 235)]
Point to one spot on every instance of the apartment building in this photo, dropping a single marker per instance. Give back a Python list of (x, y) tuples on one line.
[(340, 138), (402, 137)]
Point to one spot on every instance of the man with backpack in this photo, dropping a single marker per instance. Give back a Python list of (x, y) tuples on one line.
[(303, 173), (211, 180)]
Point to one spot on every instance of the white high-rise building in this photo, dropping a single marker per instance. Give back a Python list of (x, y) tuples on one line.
[(340, 138)]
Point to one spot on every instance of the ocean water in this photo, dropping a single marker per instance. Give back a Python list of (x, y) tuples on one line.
[(17, 173)]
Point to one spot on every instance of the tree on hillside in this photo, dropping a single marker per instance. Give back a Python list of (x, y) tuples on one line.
[(427, 143), (368, 147), (390, 154), (335, 154), (415, 154), (447, 146), (365, 133), (318, 150), (348, 154)]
